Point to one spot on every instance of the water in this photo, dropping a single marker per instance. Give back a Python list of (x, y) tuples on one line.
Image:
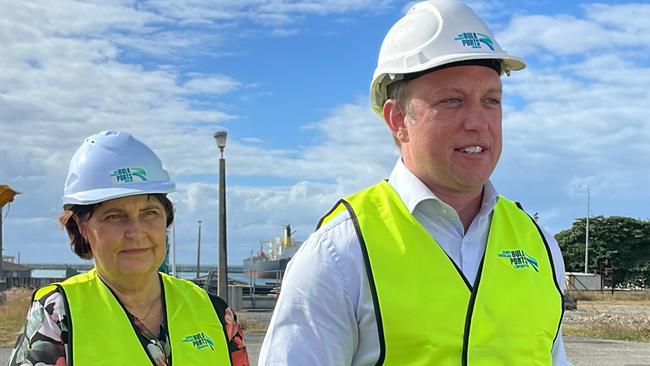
[(235, 276), (48, 273)]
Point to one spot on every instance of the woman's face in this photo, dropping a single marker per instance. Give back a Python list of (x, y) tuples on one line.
[(127, 236)]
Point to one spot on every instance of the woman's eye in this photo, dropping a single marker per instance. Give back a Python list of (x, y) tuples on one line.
[(452, 100), (495, 101), (151, 213), (112, 217)]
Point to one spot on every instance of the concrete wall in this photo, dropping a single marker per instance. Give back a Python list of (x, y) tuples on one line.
[(582, 281)]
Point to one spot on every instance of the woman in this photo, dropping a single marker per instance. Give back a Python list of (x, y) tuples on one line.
[(124, 312)]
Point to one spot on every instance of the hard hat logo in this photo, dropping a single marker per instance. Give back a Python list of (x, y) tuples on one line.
[(129, 175), (474, 40)]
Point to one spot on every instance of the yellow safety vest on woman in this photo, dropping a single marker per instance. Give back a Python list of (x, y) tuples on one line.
[(102, 334), (428, 313)]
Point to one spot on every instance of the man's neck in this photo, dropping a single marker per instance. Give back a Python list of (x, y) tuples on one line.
[(466, 205)]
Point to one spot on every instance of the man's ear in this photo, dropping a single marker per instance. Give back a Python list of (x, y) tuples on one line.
[(395, 119)]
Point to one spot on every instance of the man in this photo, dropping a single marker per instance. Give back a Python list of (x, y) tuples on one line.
[(431, 267)]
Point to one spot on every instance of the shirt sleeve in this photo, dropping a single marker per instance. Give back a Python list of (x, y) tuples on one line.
[(314, 322), (559, 353), (43, 339), (233, 331)]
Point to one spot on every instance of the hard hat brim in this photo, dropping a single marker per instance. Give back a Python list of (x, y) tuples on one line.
[(378, 88), (106, 194)]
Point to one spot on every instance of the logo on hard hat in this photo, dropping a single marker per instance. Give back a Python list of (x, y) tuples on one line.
[(129, 175), (520, 259), (474, 40)]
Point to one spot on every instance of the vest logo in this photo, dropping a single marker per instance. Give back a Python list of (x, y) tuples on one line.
[(474, 40), (519, 259), (199, 341), (129, 175)]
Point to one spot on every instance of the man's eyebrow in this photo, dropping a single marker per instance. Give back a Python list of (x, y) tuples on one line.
[(149, 207), (462, 91)]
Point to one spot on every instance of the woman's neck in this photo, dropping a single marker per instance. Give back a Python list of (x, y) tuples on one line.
[(135, 292), (141, 295)]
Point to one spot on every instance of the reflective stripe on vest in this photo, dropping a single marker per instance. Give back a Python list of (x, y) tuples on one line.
[(102, 334), (426, 311)]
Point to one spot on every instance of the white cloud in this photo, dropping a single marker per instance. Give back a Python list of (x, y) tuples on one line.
[(216, 84), (268, 13), (577, 114), (578, 111), (284, 32), (632, 18), (604, 28), (351, 149)]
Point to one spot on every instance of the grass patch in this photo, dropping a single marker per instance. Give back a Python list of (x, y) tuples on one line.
[(252, 322), (618, 295), (622, 315), (608, 331), (13, 314)]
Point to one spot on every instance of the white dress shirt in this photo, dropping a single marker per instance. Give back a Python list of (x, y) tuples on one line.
[(325, 314)]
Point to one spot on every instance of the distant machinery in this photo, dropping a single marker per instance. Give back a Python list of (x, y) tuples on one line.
[(6, 195)]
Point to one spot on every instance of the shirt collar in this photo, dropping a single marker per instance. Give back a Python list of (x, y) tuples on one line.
[(413, 192)]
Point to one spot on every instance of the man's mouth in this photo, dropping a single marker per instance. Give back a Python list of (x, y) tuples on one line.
[(471, 149)]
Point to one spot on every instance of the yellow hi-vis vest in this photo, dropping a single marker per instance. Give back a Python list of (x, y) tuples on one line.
[(102, 334), (428, 313)]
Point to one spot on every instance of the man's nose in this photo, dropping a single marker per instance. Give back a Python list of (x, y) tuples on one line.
[(477, 116)]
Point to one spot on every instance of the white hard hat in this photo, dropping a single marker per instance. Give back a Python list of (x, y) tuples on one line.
[(112, 165), (434, 33)]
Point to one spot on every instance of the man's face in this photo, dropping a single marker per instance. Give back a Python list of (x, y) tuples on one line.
[(453, 128)]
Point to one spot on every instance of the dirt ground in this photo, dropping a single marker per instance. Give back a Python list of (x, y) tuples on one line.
[(581, 351), (614, 318), (596, 334)]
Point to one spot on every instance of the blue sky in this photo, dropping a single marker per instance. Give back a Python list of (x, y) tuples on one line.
[(289, 81)]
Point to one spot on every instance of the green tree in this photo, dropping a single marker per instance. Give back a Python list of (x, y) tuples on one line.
[(624, 241)]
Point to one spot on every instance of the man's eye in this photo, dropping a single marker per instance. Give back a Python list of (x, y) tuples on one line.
[(493, 101)]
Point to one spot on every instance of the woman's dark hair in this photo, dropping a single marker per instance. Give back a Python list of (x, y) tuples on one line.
[(78, 243)]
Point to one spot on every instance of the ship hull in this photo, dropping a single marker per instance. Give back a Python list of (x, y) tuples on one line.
[(265, 268)]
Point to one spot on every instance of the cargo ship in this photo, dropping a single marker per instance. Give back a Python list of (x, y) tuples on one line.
[(272, 258)]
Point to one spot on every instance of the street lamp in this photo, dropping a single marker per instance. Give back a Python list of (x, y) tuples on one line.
[(198, 253), (586, 186), (222, 288)]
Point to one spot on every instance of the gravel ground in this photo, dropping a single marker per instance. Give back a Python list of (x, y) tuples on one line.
[(603, 352), (636, 314), (581, 351)]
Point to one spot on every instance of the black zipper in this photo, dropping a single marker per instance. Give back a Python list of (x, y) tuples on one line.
[(470, 311)]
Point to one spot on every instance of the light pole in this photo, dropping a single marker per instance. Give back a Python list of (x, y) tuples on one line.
[(222, 288), (198, 253), (174, 247), (586, 186)]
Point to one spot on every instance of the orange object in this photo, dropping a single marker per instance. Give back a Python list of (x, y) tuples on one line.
[(6, 194)]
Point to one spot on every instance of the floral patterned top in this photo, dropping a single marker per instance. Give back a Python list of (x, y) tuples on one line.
[(44, 339)]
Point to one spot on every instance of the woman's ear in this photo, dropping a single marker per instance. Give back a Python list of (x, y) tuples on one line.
[(81, 225)]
